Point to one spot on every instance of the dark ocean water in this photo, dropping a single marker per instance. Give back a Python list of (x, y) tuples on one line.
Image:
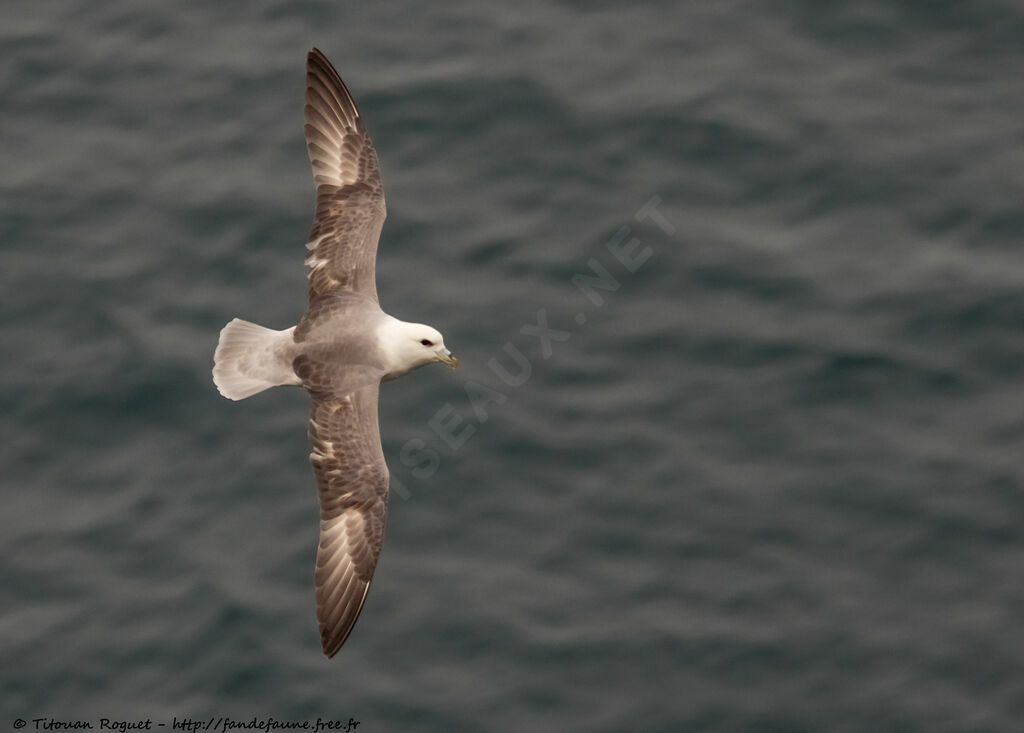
[(770, 481)]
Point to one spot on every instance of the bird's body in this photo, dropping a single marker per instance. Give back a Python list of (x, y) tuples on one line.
[(340, 351)]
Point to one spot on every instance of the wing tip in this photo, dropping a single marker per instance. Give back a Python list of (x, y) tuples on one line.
[(319, 67), (330, 652), (318, 57), (331, 641)]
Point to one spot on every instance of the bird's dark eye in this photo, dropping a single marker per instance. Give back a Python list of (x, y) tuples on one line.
[(427, 342)]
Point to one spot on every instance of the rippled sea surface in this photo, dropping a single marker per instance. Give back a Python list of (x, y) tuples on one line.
[(765, 474)]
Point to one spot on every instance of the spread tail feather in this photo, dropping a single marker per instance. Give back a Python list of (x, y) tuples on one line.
[(251, 358)]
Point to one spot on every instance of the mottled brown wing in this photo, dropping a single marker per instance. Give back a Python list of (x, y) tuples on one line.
[(350, 208), (353, 482)]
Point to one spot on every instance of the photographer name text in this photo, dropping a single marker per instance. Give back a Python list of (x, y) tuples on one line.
[(215, 724)]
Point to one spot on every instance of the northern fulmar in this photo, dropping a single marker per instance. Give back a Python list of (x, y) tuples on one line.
[(340, 351)]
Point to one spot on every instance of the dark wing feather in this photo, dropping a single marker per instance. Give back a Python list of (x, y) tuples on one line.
[(353, 481), (350, 208)]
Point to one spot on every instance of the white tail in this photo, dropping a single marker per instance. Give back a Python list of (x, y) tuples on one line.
[(251, 358)]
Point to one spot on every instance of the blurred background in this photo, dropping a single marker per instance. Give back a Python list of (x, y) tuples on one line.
[(772, 481)]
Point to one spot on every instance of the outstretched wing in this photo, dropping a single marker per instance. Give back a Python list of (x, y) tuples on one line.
[(350, 208), (353, 481)]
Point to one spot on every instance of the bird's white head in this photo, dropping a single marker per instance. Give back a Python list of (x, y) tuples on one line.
[(410, 345)]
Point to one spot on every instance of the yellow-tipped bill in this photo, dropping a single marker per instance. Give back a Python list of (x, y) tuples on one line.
[(447, 357)]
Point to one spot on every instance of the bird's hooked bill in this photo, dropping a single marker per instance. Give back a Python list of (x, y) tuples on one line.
[(449, 359)]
